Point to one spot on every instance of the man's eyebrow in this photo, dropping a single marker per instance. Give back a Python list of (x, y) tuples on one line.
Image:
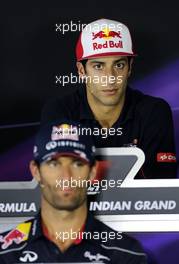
[(76, 159), (103, 62), (52, 159), (122, 59)]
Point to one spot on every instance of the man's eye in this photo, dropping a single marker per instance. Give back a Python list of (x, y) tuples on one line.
[(78, 163), (98, 66), (120, 65), (52, 163)]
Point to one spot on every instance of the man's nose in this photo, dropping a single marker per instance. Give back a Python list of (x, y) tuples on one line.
[(110, 75), (66, 172)]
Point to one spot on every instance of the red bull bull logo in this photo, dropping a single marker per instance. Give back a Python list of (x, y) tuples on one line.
[(17, 235), (64, 131), (106, 34)]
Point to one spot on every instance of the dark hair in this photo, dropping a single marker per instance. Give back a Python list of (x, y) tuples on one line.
[(83, 62), (37, 163)]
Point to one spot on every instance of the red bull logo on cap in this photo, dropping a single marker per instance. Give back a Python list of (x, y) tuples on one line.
[(64, 131), (107, 35), (17, 235)]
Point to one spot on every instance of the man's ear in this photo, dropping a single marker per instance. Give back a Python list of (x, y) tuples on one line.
[(34, 169), (81, 69), (130, 66), (93, 172)]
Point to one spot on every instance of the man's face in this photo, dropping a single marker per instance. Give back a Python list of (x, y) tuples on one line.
[(56, 177), (106, 78)]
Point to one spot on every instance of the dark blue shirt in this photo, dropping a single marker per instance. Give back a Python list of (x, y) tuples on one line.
[(144, 118), (32, 246)]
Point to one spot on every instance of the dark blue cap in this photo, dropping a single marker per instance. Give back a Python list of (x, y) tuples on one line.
[(64, 137)]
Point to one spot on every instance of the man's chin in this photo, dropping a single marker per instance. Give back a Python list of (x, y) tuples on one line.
[(69, 208), (110, 102), (68, 205)]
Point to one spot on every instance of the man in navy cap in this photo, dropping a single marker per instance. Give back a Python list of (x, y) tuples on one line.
[(64, 231)]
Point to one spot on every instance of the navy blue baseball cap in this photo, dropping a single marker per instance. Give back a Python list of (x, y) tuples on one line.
[(64, 138)]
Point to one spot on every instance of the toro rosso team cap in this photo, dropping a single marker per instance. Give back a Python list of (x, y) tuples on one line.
[(65, 138), (104, 37)]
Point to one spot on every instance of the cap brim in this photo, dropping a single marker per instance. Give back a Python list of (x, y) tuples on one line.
[(109, 54), (68, 154)]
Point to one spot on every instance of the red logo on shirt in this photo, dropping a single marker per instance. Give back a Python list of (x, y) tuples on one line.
[(166, 157)]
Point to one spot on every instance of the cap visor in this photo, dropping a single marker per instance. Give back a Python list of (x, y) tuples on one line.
[(109, 54), (68, 154)]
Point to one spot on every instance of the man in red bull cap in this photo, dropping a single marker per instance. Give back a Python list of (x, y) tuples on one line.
[(105, 54), (64, 231)]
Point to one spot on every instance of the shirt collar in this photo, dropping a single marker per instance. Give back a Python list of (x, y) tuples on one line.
[(76, 241), (37, 230)]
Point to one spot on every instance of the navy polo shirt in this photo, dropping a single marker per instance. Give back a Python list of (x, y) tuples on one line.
[(144, 118), (37, 248)]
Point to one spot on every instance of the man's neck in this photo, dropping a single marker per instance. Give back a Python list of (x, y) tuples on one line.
[(105, 115), (60, 223)]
